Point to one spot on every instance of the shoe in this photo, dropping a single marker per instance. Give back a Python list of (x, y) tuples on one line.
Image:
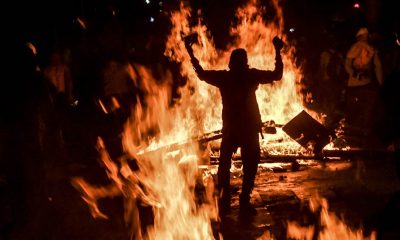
[(245, 208)]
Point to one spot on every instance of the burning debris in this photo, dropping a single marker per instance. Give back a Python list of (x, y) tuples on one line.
[(172, 192), (308, 132)]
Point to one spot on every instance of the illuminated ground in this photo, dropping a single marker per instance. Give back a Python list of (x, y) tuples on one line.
[(358, 190)]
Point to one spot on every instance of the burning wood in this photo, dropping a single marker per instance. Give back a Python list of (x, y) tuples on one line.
[(304, 129), (268, 127)]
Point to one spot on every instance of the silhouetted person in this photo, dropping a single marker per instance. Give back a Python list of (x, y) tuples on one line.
[(119, 87), (28, 111), (365, 77), (241, 118), (332, 80), (58, 74)]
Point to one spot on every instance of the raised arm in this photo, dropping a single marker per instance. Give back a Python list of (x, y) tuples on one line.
[(211, 77), (195, 62), (275, 75)]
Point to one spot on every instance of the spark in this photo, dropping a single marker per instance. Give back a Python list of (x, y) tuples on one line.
[(32, 48), (81, 23)]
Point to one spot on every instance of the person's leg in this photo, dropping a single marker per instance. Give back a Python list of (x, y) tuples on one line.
[(369, 99), (352, 106), (226, 151), (250, 157)]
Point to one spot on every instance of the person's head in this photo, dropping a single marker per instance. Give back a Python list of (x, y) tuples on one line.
[(238, 59), (362, 34)]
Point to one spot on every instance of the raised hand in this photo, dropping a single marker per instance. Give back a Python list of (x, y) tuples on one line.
[(278, 43), (190, 39)]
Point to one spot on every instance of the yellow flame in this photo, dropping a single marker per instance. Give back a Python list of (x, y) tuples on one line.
[(279, 102), (170, 176)]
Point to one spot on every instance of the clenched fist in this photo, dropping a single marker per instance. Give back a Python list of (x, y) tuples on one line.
[(278, 43)]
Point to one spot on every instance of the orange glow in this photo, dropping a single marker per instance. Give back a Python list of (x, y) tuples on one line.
[(32, 48), (331, 226)]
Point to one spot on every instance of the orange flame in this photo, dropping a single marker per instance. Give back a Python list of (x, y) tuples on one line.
[(331, 226), (280, 101), (170, 176)]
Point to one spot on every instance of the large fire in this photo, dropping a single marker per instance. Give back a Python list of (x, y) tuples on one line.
[(166, 180), (279, 102)]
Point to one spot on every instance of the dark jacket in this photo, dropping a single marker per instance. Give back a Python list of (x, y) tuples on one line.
[(237, 87)]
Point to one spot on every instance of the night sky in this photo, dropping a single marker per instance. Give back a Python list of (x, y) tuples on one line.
[(115, 27), (45, 21)]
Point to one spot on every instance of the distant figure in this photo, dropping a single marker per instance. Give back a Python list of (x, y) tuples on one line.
[(119, 86), (26, 135), (365, 76), (119, 92), (333, 78), (59, 75), (362, 62), (241, 119)]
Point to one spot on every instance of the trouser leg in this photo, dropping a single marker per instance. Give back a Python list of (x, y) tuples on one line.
[(226, 151), (250, 157)]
